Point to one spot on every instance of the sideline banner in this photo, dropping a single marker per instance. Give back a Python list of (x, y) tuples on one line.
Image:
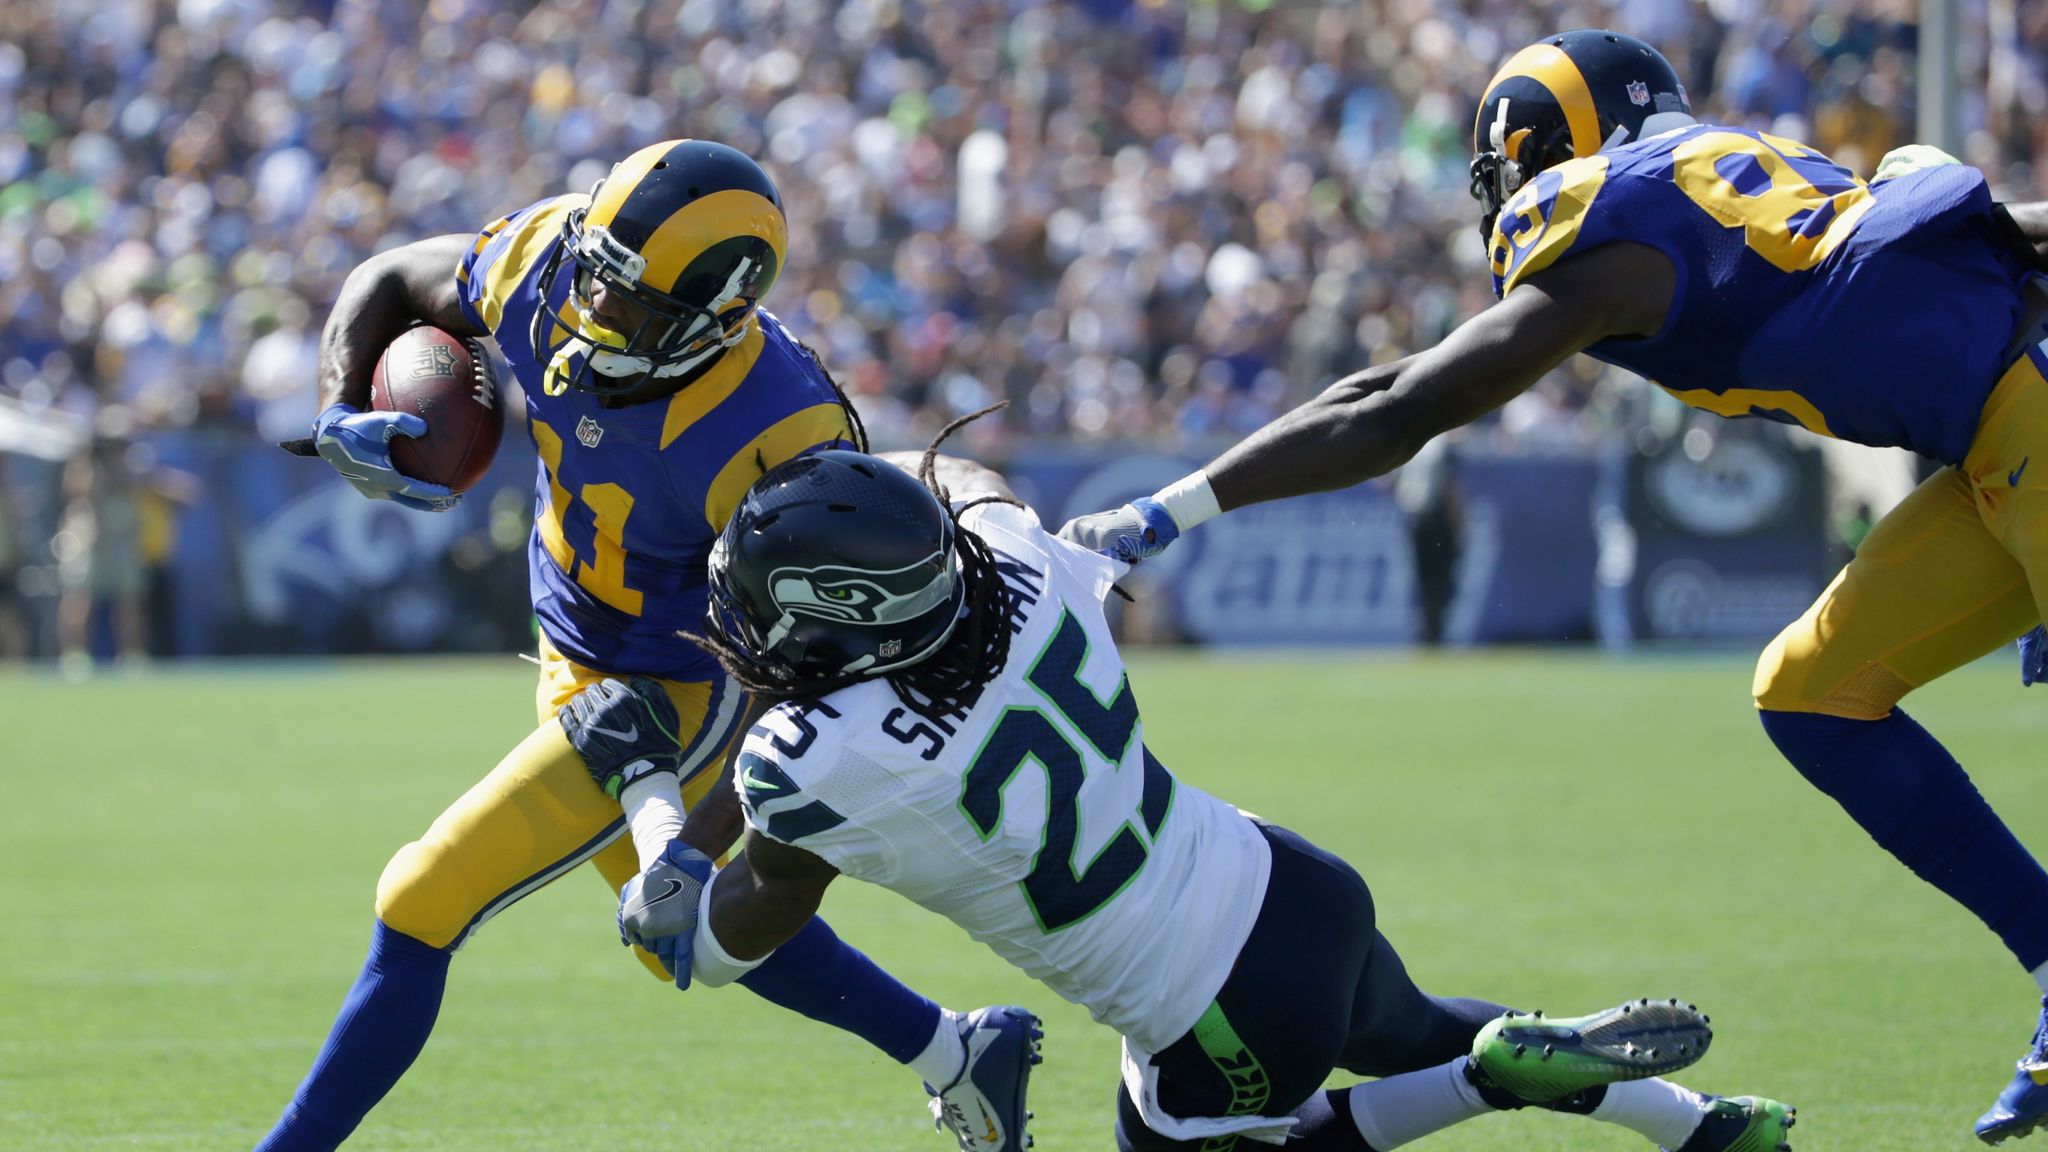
[(279, 556)]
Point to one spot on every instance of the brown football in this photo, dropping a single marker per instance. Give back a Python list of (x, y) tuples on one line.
[(447, 381)]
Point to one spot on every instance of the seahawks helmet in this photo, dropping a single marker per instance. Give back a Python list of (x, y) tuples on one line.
[(685, 237), (835, 564), (1568, 96)]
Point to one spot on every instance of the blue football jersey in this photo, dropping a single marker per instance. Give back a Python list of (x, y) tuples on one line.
[(1878, 313), (628, 500)]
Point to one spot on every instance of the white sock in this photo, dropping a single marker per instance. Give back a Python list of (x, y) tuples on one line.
[(1658, 1109), (1393, 1111), (945, 1057), (2041, 978)]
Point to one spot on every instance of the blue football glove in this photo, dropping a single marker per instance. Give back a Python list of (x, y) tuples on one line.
[(1137, 531), (2034, 656), (358, 445), (625, 730), (658, 908)]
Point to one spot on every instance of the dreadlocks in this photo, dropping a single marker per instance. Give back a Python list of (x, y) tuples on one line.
[(948, 682), (860, 430)]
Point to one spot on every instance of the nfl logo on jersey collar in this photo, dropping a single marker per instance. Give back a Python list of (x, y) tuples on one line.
[(589, 431)]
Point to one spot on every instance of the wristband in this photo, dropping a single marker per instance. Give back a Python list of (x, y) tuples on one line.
[(1189, 501), (710, 963), (654, 811)]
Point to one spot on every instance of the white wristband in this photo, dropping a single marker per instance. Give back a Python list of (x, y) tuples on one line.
[(654, 811), (1189, 501), (710, 963)]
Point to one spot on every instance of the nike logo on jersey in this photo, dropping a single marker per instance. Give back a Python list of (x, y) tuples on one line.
[(2012, 479), (632, 733)]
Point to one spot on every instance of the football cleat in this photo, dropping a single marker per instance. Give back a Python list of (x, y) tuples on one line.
[(2023, 1106), (1537, 1060), (984, 1105), (1742, 1124)]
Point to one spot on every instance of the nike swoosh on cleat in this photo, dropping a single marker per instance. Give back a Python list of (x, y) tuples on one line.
[(2012, 478)]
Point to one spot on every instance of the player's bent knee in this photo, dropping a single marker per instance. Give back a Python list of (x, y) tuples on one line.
[(422, 895), (1790, 677)]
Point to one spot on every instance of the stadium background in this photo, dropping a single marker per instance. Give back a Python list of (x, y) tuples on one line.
[(1149, 226)]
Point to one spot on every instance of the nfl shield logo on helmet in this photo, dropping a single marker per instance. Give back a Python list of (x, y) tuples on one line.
[(589, 432), (1638, 93)]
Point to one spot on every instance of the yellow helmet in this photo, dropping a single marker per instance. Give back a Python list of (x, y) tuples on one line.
[(1567, 96), (684, 237)]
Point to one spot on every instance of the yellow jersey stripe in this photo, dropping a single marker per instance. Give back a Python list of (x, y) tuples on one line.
[(704, 222), (1740, 401), (710, 390), (809, 427), (521, 252), (1549, 66), (1547, 238)]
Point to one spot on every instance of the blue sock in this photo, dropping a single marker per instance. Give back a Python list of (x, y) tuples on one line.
[(380, 1029), (1904, 788), (820, 976)]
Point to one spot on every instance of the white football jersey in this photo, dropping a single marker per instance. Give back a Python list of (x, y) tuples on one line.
[(1038, 822)]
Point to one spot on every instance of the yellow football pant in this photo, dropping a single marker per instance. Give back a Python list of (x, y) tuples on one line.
[(538, 815), (1957, 570)]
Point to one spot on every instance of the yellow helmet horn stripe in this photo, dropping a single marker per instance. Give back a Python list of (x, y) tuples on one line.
[(711, 220), (624, 178), (1548, 65)]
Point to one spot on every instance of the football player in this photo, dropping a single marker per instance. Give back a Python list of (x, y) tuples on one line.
[(1748, 275), (657, 391), (956, 725)]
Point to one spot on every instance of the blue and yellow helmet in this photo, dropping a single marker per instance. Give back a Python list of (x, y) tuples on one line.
[(685, 237), (1565, 97)]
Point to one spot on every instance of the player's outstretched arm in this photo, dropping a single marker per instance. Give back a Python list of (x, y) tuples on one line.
[(384, 296), (2032, 221), (756, 905), (1371, 423)]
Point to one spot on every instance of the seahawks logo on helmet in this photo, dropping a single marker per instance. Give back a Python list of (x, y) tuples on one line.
[(858, 596)]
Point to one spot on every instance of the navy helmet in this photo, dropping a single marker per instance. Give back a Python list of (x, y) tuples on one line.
[(836, 564)]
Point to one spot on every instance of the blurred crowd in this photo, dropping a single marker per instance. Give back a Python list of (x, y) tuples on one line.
[(1131, 218)]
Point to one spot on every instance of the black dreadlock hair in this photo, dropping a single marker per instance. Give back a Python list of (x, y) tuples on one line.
[(948, 682), (860, 430)]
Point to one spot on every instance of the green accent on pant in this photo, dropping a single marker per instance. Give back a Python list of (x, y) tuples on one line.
[(1250, 1088)]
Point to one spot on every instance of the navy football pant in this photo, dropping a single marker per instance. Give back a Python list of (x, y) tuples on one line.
[(1315, 988)]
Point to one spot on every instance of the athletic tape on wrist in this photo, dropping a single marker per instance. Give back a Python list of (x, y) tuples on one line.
[(710, 963), (1189, 501)]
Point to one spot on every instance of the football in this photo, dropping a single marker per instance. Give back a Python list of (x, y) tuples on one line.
[(447, 381)]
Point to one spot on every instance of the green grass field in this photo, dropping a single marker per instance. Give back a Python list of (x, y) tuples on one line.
[(189, 858)]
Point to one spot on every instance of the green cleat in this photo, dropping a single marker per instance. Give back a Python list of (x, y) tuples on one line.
[(1743, 1124), (1537, 1060)]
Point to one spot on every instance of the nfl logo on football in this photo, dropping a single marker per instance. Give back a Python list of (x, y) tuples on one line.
[(589, 432), (1638, 93)]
